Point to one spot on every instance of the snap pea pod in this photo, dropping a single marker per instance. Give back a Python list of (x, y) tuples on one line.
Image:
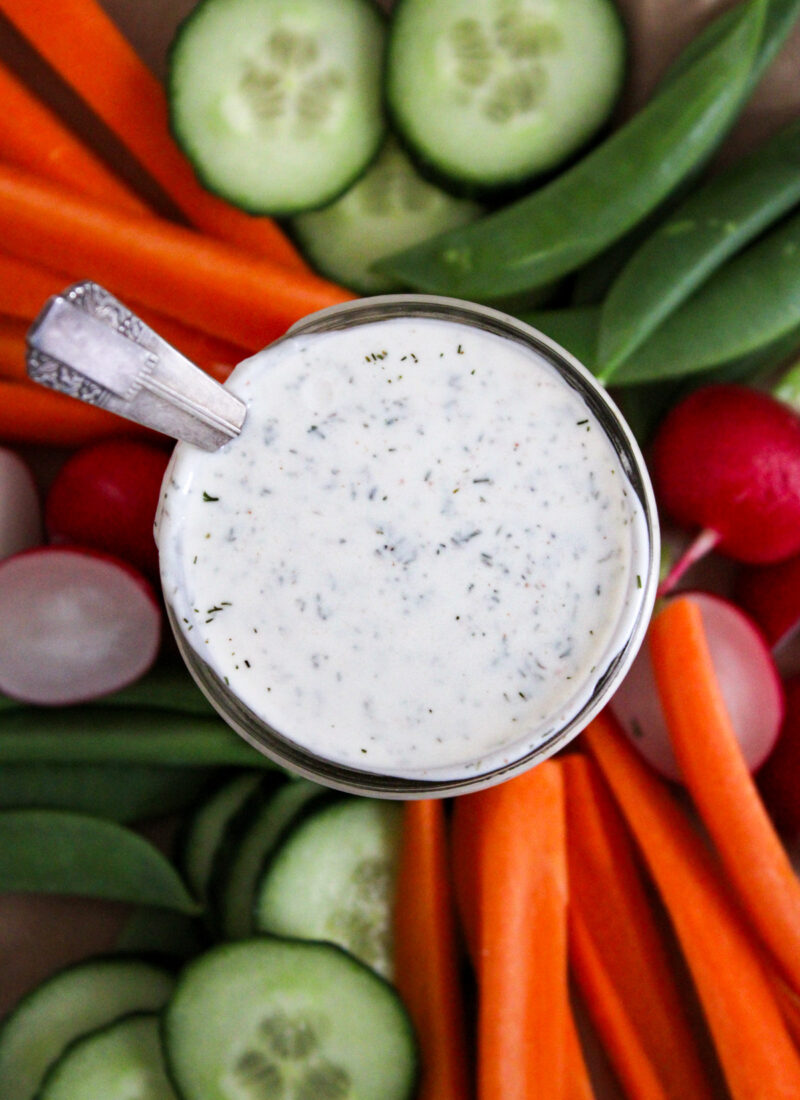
[(168, 687), (574, 328), (106, 735), (57, 852), (118, 792), (750, 304), (709, 227), (565, 223)]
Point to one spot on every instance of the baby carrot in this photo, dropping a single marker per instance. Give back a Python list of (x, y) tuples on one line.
[(621, 1039), (612, 917), (720, 784), (32, 414), (523, 1004), (426, 970), (33, 138), (756, 1053), (204, 283), (578, 1083), (107, 73)]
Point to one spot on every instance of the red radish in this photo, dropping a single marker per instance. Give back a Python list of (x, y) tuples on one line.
[(779, 779), (771, 594), (20, 508), (76, 624), (105, 496), (726, 460), (748, 677)]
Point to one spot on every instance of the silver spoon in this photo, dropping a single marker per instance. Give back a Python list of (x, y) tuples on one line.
[(87, 344)]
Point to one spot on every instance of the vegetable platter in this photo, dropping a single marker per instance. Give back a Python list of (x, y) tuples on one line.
[(621, 921)]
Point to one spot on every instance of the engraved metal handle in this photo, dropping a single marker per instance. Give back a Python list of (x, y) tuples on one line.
[(87, 344)]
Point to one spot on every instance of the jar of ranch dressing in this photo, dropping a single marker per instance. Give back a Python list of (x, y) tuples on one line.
[(407, 550), (426, 560)]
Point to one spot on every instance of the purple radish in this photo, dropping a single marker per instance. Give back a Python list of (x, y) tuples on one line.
[(76, 625), (726, 460), (748, 678), (20, 508)]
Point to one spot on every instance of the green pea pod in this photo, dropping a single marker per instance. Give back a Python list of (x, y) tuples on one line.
[(56, 852), (712, 225), (574, 328), (119, 792), (559, 227), (779, 19), (749, 304), (106, 735)]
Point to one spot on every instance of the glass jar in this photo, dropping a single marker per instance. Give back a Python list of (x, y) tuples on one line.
[(587, 695)]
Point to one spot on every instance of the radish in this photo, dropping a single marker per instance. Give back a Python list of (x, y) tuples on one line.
[(748, 678), (76, 624), (779, 779), (20, 509), (726, 459), (105, 496), (771, 594)]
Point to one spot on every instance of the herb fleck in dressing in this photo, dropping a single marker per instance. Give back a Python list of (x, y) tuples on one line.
[(416, 556)]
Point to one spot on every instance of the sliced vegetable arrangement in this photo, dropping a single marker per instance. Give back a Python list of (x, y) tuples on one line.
[(278, 939)]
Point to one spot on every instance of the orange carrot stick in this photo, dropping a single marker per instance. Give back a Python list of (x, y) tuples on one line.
[(26, 286), (578, 1083), (621, 1039), (205, 284), (754, 1048), (33, 138), (426, 957), (33, 414), (88, 51), (523, 1001), (465, 839), (720, 784), (12, 349), (610, 914)]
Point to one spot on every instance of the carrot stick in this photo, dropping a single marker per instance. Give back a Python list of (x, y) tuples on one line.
[(102, 67), (204, 283), (755, 1051), (578, 1083), (465, 839), (615, 1026), (33, 414), (426, 958), (720, 784), (523, 1001), (12, 349), (33, 138), (611, 915), (25, 286)]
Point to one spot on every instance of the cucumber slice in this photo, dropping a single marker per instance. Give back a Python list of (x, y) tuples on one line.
[(334, 878), (123, 1061), (488, 93), (391, 207), (262, 826), (206, 828), (280, 1018), (277, 103), (70, 1004)]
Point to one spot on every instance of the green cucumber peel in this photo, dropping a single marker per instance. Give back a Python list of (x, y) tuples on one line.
[(709, 227), (558, 228), (58, 852)]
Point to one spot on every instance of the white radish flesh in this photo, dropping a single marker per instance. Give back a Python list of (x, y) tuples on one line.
[(20, 508), (748, 678), (75, 625)]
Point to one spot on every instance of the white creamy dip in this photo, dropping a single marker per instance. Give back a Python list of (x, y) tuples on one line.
[(419, 555)]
